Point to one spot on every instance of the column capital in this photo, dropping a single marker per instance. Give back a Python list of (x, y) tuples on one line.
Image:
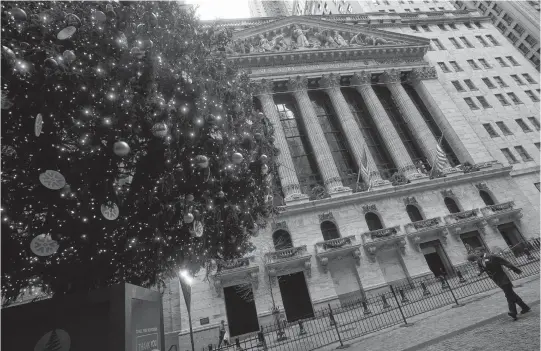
[(361, 78), (423, 73), (263, 86), (297, 83), (391, 76), (329, 81)]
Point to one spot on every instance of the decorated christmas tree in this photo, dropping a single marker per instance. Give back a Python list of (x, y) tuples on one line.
[(130, 146)]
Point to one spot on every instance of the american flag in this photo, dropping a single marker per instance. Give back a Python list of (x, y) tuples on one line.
[(364, 169), (440, 160)]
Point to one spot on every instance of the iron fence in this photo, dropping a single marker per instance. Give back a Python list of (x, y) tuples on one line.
[(381, 310)]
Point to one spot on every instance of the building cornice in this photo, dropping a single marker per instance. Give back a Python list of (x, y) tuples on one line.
[(397, 191), (523, 171)]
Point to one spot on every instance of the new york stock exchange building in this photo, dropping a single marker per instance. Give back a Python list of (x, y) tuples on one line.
[(378, 92)]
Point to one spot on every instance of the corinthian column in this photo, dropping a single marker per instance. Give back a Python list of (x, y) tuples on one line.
[(355, 139), (390, 137), (413, 117), (286, 169), (323, 154)]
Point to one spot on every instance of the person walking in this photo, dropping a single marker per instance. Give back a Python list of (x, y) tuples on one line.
[(224, 336), (493, 266)]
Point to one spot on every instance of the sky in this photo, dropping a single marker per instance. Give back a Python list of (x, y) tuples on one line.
[(216, 9)]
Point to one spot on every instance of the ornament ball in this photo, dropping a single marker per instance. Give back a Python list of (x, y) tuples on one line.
[(189, 197), (221, 194), (263, 158), (202, 161), (69, 56), (18, 14), (237, 158), (160, 130), (188, 218), (121, 148)]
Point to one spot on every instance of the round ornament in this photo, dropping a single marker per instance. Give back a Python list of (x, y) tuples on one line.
[(99, 16), (110, 211), (237, 158), (69, 56), (18, 14), (221, 194), (121, 148), (260, 115), (188, 218), (237, 108), (135, 51), (73, 20), (52, 180), (66, 33), (43, 245), (8, 54), (38, 125), (264, 169), (160, 130), (189, 197), (198, 229), (50, 63), (263, 158), (258, 136), (57, 339), (202, 161)]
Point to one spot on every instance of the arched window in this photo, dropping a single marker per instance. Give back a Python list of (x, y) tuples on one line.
[(373, 221), (451, 205), (413, 212), (486, 198), (281, 240), (329, 231)]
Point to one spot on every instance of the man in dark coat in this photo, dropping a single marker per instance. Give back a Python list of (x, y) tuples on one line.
[(493, 266)]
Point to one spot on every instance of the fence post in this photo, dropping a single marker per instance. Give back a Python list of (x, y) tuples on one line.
[(460, 277), (443, 281), (333, 322), (426, 292), (403, 296), (452, 292), (237, 344), (301, 328), (399, 308), (210, 347), (261, 339), (365, 308), (385, 303)]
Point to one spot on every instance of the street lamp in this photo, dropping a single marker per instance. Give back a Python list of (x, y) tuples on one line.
[(185, 281)]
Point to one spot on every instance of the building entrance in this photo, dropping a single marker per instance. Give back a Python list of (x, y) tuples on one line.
[(346, 280), (391, 265), (436, 258), (295, 296), (472, 240), (240, 309), (512, 236)]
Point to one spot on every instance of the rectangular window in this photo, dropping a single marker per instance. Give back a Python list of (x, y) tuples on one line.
[(392, 11), (485, 63), (425, 28), (444, 67), (488, 83), (452, 26), (442, 27), (512, 37), (416, 9), (504, 128), (470, 84), (523, 48), (471, 104), (466, 42), (512, 60), (517, 79), (534, 122), (492, 40), (523, 125), (478, 24), (490, 130), (508, 19), (509, 156), (523, 154), (437, 44), (441, 8), (457, 85), (408, 10), (514, 98), (414, 28), (455, 43), (433, 9), (473, 64), (531, 95), (497, 9), (468, 25), (502, 27), (484, 103), (530, 40), (529, 78), (537, 145), (482, 40), (500, 81), (502, 62), (455, 66), (502, 99), (518, 28)]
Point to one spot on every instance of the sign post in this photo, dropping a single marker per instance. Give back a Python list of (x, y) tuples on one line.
[(185, 282)]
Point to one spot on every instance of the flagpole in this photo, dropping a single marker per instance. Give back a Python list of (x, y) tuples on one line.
[(434, 158), (358, 177), (185, 282)]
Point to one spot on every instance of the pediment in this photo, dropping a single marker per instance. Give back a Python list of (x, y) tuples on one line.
[(303, 34)]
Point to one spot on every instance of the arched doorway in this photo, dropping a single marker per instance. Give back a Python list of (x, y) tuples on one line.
[(451, 205), (373, 221), (487, 199), (414, 213), (281, 240), (329, 231)]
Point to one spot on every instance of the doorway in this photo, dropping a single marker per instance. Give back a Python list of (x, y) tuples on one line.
[(436, 258), (240, 309), (512, 236), (472, 240), (295, 296), (347, 283), (391, 265)]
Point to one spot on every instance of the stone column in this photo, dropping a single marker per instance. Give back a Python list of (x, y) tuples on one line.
[(356, 142), (321, 149), (390, 137), (448, 117), (286, 169), (413, 117)]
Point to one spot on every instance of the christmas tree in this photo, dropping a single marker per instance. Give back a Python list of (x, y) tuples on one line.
[(130, 146)]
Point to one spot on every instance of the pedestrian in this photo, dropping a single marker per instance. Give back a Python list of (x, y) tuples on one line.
[(493, 266), (224, 335)]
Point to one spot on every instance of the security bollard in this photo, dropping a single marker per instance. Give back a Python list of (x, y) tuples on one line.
[(460, 277), (301, 329), (385, 303), (444, 285), (365, 308), (403, 296)]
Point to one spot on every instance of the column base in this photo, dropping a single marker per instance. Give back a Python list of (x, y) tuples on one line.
[(452, 172), (418, 178), (381, 184), (297, 198), (339, 192)]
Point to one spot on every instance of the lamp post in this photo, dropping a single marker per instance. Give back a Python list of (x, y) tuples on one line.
[(185, 282)]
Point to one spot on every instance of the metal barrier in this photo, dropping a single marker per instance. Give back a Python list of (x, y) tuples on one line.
[(379, 311)]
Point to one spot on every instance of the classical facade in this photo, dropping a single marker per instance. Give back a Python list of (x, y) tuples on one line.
[(372, 89)]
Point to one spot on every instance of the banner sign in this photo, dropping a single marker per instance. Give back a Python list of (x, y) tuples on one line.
[(146, 325)]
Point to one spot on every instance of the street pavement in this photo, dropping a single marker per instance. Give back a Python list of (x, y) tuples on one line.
[(439, 329)]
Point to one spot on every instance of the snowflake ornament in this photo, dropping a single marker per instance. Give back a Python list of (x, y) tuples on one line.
[(198, 229), (43, 245), (52, 180), (110, 211), (38, 125)]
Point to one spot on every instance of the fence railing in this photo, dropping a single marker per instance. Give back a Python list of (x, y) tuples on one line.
[(377, 311)]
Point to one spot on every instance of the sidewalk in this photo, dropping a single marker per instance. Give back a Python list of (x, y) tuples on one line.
[(439, 323)]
